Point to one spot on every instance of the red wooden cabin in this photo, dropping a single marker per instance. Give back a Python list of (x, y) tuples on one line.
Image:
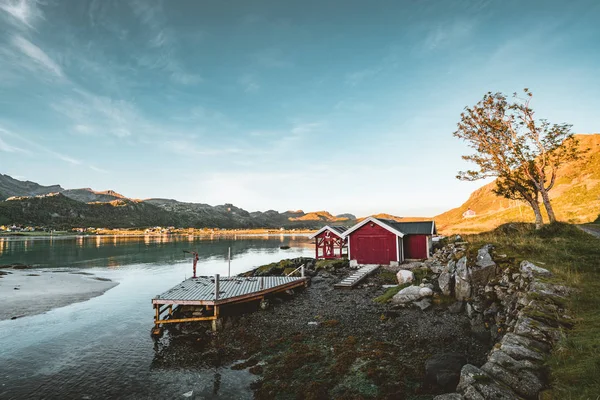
[(384, 241), (329, 242)]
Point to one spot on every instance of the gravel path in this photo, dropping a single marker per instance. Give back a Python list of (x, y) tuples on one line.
[(592, 230)]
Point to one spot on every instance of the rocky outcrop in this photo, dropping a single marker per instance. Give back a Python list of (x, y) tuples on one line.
[(522, 313)]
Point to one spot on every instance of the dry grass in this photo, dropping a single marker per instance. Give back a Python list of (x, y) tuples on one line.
[(574, 257)]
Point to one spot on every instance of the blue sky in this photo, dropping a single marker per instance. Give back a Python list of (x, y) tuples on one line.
[(347, 106)]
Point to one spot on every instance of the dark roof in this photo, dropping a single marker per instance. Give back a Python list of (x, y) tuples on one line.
[(411, 228), (339, 229)]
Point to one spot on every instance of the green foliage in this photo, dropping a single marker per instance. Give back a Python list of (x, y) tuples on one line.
[(331, 265), (387, 277), (523, 153), (389, 293)]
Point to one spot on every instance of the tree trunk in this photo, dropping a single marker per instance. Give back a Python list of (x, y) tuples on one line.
[(539, 220), (548, 206)]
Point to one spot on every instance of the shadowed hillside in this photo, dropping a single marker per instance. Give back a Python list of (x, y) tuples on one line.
[(575, 197)]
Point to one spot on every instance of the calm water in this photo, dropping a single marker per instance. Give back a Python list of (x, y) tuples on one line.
[(102, 348)]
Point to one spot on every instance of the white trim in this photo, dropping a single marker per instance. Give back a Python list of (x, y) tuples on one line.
[(376, 221), (427, 246), (398, 239), (323, 229), (348, 242), (432, 227)]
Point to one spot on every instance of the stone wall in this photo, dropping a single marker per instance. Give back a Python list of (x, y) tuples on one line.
[(517, 306)]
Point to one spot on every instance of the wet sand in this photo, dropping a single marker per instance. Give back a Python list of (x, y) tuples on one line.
[(29, 291)]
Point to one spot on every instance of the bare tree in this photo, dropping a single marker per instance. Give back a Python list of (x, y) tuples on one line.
[(522, 153)]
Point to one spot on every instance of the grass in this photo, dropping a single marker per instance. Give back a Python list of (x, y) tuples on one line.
[(389, 293), (574, 257)]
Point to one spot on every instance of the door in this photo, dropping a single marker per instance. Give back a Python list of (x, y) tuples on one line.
[(415, 246), (373, 250)]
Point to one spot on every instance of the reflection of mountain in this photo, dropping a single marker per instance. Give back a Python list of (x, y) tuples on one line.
[(106, 251)]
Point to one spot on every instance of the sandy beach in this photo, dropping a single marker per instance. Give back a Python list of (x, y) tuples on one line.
[(26, 292)]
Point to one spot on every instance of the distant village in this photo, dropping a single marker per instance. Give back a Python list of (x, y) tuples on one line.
[(156, 230)]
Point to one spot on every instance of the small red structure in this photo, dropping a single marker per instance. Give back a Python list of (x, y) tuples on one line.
[(384, 241), (329, 242)]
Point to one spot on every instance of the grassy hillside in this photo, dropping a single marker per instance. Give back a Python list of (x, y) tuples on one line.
[(323, 216), (575, 198)]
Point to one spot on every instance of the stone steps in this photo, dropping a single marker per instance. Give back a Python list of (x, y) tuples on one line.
[(352, 280)]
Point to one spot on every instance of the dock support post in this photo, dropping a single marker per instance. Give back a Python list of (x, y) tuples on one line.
[(262, 283), (302, 270), (216, 288), (216, 322)]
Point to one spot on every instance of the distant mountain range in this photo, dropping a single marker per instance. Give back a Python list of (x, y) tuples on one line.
[(28, 203), (576, 198)]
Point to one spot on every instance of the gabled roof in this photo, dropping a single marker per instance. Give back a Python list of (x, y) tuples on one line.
[(398, 228), (381, 222), (336, 230)]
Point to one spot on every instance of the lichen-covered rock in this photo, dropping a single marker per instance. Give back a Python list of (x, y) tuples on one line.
[(425, 292), (405, 276), (530, 270), (537, 330), (485, 268), (407, 295), (476, 384), (462, 284), (449, 396), (520, 376), (445, 282)]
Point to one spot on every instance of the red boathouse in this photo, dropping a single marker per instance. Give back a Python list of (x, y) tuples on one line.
[(329, 242), (384, 241)]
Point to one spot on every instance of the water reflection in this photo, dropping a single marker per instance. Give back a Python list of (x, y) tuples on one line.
[(113, 251)]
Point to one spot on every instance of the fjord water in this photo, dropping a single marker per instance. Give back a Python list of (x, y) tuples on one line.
[(101, 348)]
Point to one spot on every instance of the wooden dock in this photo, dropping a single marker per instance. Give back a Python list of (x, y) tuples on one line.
[(356, 277), (212, 292)]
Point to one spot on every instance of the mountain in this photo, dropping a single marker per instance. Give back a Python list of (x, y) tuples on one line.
[(575, 197), (88, 195), (53, 206), (13, 187), (59, 211)]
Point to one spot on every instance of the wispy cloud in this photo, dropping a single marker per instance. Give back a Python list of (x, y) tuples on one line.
[(249, 83), (448, 33), (23, 12), (9, 148), (188, 147), (101, 170), (37, 55), (151, 14), (35, 145)]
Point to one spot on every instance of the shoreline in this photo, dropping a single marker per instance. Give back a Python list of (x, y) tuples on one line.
[(27, 292)]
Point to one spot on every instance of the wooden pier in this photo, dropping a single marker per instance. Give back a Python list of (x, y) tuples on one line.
[(356, 277), (212, 292)]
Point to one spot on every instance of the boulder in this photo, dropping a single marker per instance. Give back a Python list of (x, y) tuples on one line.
[(407, 295), (443, 370), (445, 282), (485, 268), (405, 276), (423, 304), (530, 270), (425, 292), (462, 284)]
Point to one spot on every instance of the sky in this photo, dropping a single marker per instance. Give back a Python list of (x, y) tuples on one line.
[(346, 106)]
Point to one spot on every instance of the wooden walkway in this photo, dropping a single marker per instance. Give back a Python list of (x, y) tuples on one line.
[(214, 292), (359, 275)]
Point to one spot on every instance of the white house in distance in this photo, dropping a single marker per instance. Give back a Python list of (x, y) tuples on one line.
[(469, 213)]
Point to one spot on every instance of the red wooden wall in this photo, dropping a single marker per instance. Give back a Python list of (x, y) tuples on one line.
[(373, 245), (415, 246)]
